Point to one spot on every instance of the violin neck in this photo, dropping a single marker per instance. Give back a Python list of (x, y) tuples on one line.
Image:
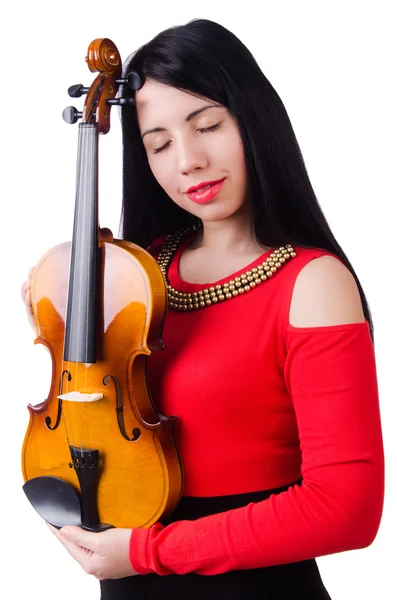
[(80, 317)]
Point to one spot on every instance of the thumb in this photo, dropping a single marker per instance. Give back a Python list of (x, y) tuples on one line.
[(79, 536)]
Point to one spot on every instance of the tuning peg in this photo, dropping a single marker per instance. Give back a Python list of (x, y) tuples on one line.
[(71, 115), (75, 91), (120, 101), (133, 80)]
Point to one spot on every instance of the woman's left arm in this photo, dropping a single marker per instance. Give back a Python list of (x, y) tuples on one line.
[(330, 373)]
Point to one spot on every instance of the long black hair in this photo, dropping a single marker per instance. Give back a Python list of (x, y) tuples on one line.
[(205, 59)]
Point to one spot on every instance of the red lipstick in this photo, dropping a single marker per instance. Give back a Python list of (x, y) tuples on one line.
[(194, 188), (201, 196)]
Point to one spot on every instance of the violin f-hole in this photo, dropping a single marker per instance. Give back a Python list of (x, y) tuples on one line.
[(136, 432), (59, 413)]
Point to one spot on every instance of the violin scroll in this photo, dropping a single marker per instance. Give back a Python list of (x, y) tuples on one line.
[(102, 56)]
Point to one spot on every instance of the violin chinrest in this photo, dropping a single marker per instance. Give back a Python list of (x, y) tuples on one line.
[(56, 501)]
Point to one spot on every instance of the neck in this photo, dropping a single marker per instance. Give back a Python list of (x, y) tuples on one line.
[(228, 236)]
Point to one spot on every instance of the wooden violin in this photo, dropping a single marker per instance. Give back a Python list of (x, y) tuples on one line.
[(96, 452)]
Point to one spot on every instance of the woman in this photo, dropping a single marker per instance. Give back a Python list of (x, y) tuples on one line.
[(269, 361)]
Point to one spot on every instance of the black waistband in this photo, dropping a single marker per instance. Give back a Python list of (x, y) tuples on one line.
[(191, 507)]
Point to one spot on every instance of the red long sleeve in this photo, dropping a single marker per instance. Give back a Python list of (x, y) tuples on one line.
[(330, 375)]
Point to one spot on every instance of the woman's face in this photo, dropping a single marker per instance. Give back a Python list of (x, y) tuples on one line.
[(182, 155)]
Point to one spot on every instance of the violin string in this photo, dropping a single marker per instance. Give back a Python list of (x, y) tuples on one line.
[(91, 156), (81, 285), (74, 378), (88, 170), (77, 287)]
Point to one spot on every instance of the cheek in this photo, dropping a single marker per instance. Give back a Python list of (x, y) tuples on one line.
[(229, 153), (167, 178), (162, 173)]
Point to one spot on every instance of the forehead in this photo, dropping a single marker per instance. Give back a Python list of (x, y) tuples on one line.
[(157, 99)]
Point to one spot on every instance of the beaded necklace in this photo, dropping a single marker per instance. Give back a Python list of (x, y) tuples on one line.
[(235, 287)]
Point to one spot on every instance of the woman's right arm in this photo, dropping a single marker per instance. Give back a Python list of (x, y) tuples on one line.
[(25, 293)]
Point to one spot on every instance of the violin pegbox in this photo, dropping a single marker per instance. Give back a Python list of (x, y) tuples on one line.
[(102, 56)]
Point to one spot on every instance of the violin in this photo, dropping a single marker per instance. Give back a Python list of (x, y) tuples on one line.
[(96, 452)]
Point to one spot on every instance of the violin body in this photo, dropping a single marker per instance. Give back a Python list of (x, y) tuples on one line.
[(96, 452), (137, 475)]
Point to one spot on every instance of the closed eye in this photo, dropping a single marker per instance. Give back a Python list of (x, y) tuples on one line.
[(203, 130)]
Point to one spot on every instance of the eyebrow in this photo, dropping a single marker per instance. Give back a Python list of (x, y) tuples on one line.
[(188, 118)]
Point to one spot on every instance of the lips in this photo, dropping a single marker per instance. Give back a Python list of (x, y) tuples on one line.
[(203, 184), (209, 193)]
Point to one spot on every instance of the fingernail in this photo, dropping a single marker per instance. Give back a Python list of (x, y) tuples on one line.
[(64, 532)]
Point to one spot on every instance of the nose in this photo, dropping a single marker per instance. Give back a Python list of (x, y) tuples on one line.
[(190, 157)]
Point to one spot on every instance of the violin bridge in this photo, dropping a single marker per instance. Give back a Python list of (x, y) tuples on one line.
[(79, 397)]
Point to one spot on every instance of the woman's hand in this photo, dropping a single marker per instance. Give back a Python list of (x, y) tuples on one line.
[(25, 293), (104, 555)]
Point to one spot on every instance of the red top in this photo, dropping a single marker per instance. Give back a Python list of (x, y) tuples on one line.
[(261, 404)]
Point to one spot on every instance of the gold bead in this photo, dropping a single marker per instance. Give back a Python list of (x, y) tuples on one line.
[(183, 301)]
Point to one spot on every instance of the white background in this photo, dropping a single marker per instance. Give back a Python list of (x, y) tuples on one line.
[(333, 65)]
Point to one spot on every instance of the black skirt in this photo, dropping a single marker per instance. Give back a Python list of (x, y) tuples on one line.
[(281, 582)]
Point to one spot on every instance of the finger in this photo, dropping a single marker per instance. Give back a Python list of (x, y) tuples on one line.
[(77, 535), (31, 272), (25, 285), (28, 302), (53, 529), (23, 291), (80, 554)]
